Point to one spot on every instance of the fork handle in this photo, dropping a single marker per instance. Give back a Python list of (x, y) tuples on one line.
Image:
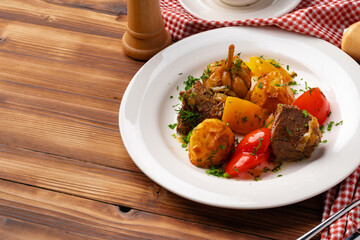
[(328, 221)]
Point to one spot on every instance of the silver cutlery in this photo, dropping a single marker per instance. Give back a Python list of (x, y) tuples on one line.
[(330, 220)]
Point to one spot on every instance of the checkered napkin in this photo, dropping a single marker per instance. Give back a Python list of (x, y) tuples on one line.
[(336, 199), (325, 19)]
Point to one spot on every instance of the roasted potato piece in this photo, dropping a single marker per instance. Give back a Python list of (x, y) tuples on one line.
[(271, 90), (211, 143)]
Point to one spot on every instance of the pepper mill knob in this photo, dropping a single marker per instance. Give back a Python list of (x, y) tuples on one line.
[(146, 34), (351, 41)]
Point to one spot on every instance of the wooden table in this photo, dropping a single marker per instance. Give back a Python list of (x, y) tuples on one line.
[(65, 173)]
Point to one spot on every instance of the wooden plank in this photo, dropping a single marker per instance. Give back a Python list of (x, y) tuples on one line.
[(69, 86), (72, 139), (75, 19), (63, 81), (63, 60), (117, 7), (136, 191), (72, 83), (13, 229), (60, 104), (63, 216)]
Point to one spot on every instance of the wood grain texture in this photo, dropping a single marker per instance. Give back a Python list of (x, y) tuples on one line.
[(117, 7), (63, 73), (14, 229), (72, 82), (82, 218), (75, 19), (115, 186)]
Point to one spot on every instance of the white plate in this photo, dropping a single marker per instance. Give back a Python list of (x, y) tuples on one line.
[(218, 11), (146, 111)]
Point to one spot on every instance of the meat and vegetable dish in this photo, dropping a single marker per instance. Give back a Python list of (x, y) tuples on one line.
[(253, 100)]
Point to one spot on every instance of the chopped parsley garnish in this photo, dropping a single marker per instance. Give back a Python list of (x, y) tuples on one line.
[(292, 83), (260, 85), (305, 113), (217, 172), (226, 175), (339, 123), (294, 91), (325, 141), (267, 125), (190, 82), (237, 62), (171, 97), (256, 178), (213, 153), (277, 168), (322, 128), (287, 67), (188, 116), (258, 146), (330, 125), (172, 126), (311, 89), (256, 116), (205, 73), (274, 63), (288, 131), (280, 85), (244, 119), (186, 139)]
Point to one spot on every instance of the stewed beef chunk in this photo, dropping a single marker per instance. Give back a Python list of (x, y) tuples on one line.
[(199, 103), (294, 135)]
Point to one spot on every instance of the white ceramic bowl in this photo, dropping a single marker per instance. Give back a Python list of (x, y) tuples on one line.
[(239, 3)]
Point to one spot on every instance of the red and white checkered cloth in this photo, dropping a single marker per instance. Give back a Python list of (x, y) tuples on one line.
[(336, 199), (325, 19)]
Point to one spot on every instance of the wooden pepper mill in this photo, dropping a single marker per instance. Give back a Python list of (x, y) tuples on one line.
[(146, 34)]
